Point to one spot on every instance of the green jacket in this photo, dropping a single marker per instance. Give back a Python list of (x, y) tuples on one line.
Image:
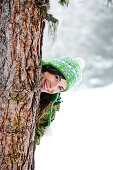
[(44, 120)]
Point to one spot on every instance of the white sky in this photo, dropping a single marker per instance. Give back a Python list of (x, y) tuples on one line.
[(81, 136)]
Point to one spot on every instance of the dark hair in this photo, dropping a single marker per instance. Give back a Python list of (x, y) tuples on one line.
[(52, 70), (46, 98)]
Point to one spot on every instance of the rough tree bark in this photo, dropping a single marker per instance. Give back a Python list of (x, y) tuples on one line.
[(21, 33)]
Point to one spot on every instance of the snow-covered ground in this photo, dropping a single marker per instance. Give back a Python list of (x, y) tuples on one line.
[(81, 136)]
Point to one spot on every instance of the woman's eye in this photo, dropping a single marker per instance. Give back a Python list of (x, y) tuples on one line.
[(61, 88), (57, 77)]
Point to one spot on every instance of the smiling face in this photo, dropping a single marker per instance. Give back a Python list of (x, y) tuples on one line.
[(52, 83)]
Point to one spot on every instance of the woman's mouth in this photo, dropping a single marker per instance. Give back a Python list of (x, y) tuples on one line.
[(45, 85)]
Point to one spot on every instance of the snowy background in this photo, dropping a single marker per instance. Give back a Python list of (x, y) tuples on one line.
[(84, 139)]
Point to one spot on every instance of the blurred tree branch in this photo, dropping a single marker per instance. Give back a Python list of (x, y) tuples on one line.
[(64, 2), (109, 2)]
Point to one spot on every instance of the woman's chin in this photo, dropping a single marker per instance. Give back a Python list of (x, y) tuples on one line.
[(43, 90)]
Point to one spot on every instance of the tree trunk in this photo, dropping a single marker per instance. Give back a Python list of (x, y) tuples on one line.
[(21, 33)]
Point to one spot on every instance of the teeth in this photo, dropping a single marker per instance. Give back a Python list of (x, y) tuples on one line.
[(45, 86)]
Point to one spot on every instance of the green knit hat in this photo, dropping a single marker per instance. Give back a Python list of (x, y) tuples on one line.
[(70, 68)]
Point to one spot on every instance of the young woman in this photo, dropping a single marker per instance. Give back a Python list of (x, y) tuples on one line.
[(58, 75)]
